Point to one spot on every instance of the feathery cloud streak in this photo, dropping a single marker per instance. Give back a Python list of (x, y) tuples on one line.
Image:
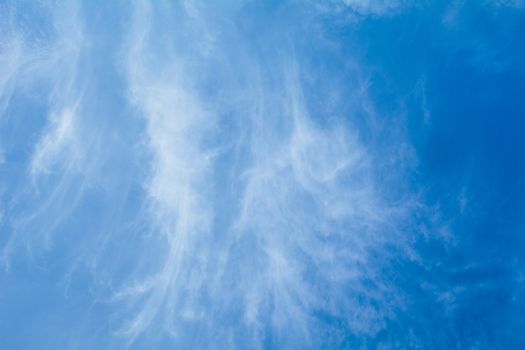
[(268, 214)]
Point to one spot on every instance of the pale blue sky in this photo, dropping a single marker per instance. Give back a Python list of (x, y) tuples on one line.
[(340, 174)]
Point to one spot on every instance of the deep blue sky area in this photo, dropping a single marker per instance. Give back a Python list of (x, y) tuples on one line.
[(339, 174)]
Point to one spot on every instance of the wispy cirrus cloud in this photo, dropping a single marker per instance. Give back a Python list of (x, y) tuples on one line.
[(258, 220), (260, 174), (47, 71), (269, 217)]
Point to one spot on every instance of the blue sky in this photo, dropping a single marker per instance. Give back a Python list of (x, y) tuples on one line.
[(234, 174)]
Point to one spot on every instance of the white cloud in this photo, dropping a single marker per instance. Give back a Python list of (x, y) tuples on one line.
[(55, 142), (283, 228), (45, 72), (26, 63), (177, 126), (59, 143), (258, 214)]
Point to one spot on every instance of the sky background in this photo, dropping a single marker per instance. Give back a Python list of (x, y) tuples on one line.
[(241, 174)]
